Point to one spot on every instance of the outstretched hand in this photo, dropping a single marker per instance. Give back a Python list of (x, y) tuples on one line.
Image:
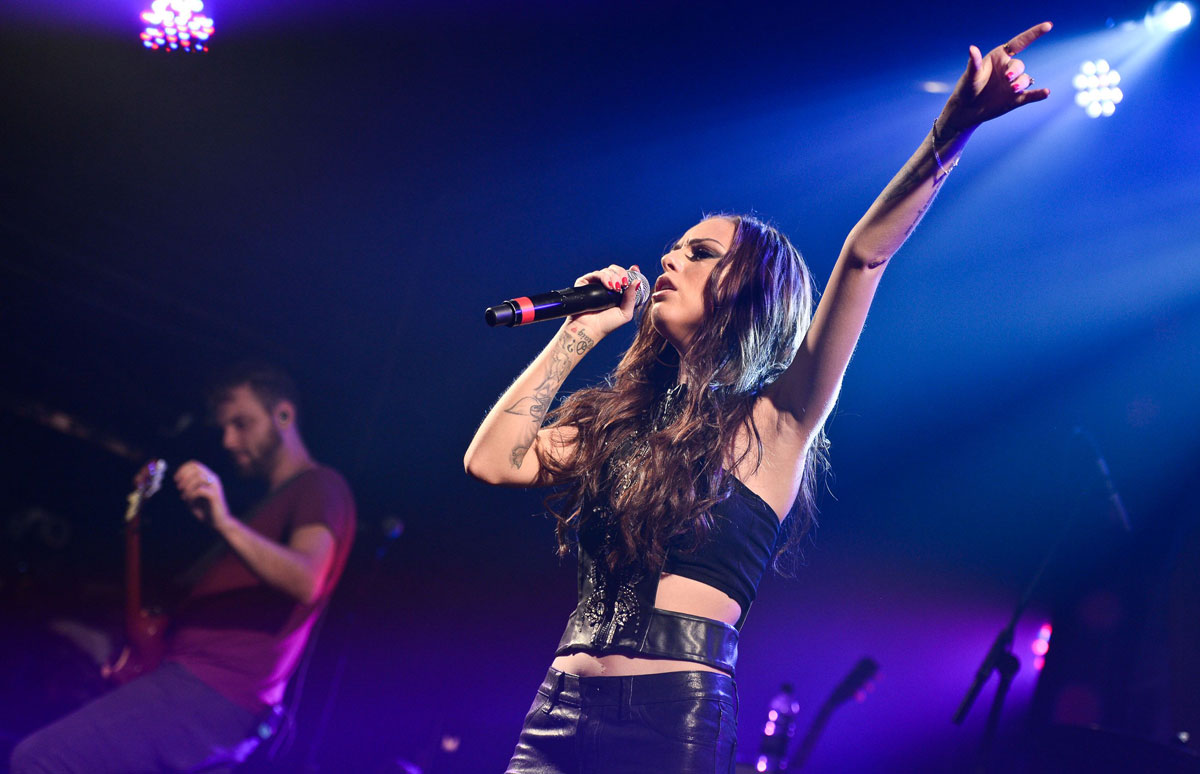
[(993, 84)]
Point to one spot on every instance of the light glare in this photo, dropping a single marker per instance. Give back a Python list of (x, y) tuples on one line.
[(180, 22), (1177, 17), (1169, 16), (1095, 88)]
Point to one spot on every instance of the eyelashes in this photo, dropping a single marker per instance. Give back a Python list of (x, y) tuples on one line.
[(698, 251)]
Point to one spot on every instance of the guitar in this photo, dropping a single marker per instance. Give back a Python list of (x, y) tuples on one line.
[(864, 671), (144, 630)]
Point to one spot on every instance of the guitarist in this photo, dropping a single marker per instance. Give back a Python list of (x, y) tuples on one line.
[(240, 632)]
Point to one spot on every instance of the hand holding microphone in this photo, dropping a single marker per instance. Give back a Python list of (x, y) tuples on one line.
[(616, 288)]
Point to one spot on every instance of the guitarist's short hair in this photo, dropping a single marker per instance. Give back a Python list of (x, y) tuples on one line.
[(269, 383)]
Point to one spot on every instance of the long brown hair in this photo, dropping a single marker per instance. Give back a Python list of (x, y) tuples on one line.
[(758, 306)]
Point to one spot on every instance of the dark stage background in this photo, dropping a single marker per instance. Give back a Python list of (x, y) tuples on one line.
[(343, 187)]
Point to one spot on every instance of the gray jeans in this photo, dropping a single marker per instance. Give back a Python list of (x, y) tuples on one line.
[(166, 721)]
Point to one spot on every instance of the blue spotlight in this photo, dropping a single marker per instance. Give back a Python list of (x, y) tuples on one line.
[(1167, 16)]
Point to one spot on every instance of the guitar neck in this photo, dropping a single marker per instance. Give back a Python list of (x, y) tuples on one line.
[(133, 561)]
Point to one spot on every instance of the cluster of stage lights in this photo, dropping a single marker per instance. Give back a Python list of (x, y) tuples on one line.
[(176, 25), (1040, 647), (1096, 89)]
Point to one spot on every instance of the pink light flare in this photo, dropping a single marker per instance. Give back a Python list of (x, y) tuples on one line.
[(1041, 646), (176, 25)]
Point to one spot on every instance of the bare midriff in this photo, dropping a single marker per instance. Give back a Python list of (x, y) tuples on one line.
[(675, 593)]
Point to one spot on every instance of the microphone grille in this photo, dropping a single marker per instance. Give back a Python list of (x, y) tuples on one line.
[(642, 294)]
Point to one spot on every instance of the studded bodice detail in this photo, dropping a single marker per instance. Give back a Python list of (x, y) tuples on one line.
[(616, 610), (635, 450), (610, 600), (614, 597)]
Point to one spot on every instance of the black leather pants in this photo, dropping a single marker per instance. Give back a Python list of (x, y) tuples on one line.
[(680, 722)]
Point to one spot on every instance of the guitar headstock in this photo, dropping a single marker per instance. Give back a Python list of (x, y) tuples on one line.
[(864, 671), (146, 482), (148, 479)]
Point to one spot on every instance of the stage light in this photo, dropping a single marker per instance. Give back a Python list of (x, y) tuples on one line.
[(1041, 646), (1096, 89), (176, 25), (1167, 16)]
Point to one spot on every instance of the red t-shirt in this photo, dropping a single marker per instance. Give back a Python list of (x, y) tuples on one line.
[(243, 637)]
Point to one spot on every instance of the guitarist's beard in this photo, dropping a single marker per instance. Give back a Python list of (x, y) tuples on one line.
[(259, 460)]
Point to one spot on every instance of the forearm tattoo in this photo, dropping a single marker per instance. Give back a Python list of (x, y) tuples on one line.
[(909, 179), (536, 406)]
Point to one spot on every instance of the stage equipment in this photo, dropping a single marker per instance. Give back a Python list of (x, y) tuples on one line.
[(999, 657), (852, 685), (1168, 16), (776, 752), (1096, 89), (561, 303), (176, 25), (778, 730), (1041, 646), (1116, 508), (145, 630)]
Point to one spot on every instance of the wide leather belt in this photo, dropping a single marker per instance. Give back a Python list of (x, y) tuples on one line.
[(658, 634)]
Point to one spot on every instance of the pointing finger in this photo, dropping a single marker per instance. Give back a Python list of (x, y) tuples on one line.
[(1018, 44)]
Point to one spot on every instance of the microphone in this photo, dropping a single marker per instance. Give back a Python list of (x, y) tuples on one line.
[(1110, 492), (560, 303)]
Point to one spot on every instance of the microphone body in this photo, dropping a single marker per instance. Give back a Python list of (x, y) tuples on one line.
[(560, 303)]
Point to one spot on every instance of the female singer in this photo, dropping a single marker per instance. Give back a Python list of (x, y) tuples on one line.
[(674, 478)]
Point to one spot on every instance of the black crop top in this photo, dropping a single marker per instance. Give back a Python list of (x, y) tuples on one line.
[(737, 551), (616, 610)]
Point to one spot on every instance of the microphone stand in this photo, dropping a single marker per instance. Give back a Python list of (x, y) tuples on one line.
[(1001, 659)]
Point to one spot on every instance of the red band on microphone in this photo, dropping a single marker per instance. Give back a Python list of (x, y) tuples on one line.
[(526, 307)]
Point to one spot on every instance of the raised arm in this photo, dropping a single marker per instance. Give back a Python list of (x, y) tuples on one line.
[(504, 449), (991, 86)]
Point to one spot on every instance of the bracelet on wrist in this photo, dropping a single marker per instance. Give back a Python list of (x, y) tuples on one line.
[(933, 139)]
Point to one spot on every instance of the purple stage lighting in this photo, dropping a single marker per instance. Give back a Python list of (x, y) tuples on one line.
[(176, 25), (1041, 646)]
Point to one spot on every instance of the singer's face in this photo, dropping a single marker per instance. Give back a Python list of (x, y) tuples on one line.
[(248, 431), (677, 304)]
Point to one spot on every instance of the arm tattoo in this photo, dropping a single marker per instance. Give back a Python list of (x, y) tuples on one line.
[(537, 405), (582, 346), (908, 180)]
